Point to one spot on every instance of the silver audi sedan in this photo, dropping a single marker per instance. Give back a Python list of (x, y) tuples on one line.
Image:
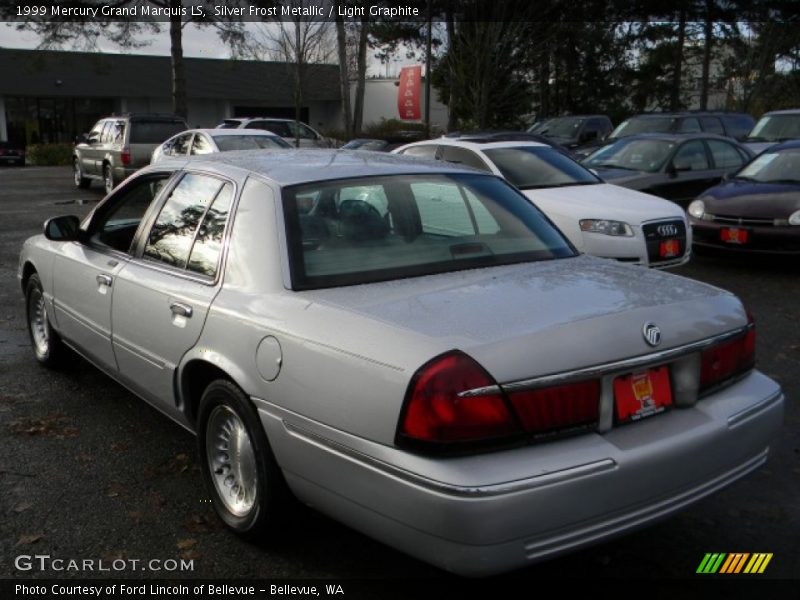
[(410, 347)]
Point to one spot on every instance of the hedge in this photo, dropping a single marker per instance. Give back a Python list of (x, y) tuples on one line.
[(49, 154)]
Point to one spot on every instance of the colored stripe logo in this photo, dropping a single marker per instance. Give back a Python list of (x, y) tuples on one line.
[(734, 563)]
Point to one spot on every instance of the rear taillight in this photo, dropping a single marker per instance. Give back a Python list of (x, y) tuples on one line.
[(728, 359), (434, 411), (438, 413), (125, 157), (559, 407)]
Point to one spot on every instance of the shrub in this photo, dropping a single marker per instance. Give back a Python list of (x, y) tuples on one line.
[(49, 154)]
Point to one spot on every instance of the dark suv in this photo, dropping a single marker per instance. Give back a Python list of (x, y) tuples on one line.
[(729, 124), (574, 131), (119, 145)]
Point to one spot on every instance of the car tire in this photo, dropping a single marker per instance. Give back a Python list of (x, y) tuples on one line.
[(108, 178), (48, 348), (247, 488), (80, 181)]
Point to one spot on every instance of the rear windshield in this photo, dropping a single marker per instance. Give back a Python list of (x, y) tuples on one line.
[(227, 143), (529, 167), (379, 228), (154, 132), (648, 125)]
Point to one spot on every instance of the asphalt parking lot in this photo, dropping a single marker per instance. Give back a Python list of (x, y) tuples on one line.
[(90, 471)]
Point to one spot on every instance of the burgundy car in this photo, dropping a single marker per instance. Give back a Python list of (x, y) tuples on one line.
[(12, 154)]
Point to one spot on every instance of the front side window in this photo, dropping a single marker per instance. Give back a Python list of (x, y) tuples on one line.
[(171, 238), (380, 228), (530, 167), (116, 220)]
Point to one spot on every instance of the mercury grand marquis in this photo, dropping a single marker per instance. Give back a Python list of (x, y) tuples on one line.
[(407, 346)]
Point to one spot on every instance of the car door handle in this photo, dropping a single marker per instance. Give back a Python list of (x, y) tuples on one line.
[(104, 279), (179, 308)]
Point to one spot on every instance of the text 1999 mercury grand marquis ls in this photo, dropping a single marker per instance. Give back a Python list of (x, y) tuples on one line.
[(409, 347)]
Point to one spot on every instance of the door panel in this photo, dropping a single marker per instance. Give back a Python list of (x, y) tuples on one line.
[(83, 284), (157, 318)]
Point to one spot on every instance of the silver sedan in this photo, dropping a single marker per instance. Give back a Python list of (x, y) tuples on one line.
[(207, 141), (409, 347)]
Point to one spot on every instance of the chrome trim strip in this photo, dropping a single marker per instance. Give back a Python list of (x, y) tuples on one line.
[(605, 368), (737, 418), (483, 491)]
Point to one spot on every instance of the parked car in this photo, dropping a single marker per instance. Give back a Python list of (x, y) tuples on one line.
[(728, 124), (484, 137), (757, 209), (674, 166), (407, 346), (774, 127), (120, 145), (207, 141), (12, 154), (290, 130), (598, 218), (577, 133), (383, 145)]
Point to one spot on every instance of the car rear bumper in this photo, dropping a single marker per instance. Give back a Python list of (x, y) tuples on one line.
[(488, 513)]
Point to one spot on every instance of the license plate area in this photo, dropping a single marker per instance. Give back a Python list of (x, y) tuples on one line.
[(641, 394), (734, 235), (669, 249)]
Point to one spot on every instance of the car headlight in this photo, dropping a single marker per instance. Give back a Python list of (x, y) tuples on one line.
[(606, 227), (794, 218), (697, 209)]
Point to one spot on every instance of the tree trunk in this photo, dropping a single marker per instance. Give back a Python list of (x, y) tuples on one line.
[(675, 96), (452, 122), (179, 106), (358, 110), (344, 76), (298, 81), (708, 34)]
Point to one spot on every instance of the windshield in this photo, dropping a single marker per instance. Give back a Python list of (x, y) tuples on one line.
[(380, 228), (642, 125), (529, 167), (773, 167), (776, 128), (563, 127), (633, 155), (226, 143)]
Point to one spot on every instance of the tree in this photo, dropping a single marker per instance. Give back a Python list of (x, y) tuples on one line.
[(85, 34), (301, 43)]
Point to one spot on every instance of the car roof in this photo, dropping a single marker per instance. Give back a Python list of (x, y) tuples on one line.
[(679, 137), (691, 113), (292, 167), (239, 132), (478, 145), (786, 111), (261, 119)]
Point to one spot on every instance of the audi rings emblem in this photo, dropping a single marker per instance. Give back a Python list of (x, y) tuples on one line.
[(652, 334), (667, 230)]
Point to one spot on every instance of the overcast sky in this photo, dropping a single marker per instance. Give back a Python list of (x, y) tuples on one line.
[(197, 42)]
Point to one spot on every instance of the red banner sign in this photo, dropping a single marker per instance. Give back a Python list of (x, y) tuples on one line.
[(408, 95)]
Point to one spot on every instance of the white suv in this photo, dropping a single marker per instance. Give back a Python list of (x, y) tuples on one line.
[(288, 129)]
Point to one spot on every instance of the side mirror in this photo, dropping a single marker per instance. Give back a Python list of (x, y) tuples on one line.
[(92, 139), (62, 229)]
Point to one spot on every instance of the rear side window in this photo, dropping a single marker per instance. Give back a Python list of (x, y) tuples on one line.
[(690, 125), (171, 238), (712, 125), (427, 151), (154, 132), (207, 248), (726, 156)]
